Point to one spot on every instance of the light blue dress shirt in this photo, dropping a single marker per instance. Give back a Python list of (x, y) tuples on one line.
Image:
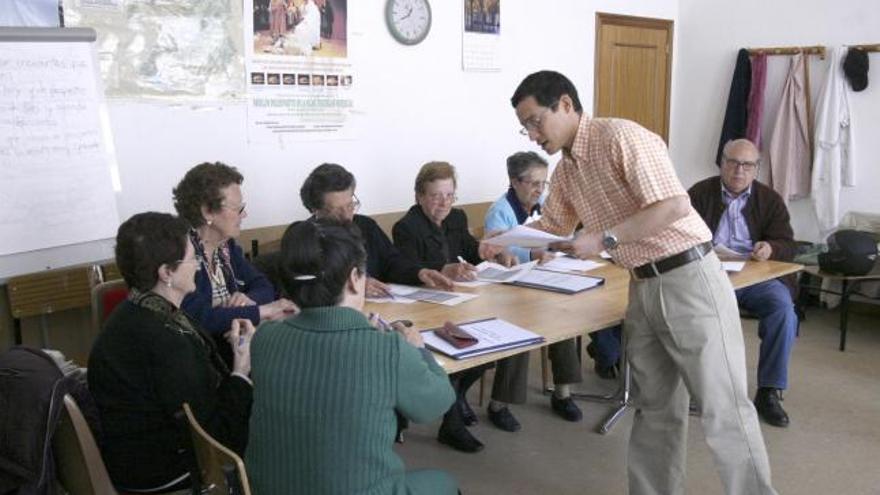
[(733, 231), (501, 217)]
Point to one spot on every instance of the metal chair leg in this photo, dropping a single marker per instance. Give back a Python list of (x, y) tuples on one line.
[(620, 398)]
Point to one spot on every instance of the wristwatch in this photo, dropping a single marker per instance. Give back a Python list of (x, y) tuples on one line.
[(609, 240)]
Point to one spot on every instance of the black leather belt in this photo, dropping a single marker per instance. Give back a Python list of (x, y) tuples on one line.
[(650, 270)]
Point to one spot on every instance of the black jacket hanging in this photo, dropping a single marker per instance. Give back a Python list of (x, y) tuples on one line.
[(736, 117)]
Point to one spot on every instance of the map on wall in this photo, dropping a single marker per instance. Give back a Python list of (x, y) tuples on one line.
[(165, 48)]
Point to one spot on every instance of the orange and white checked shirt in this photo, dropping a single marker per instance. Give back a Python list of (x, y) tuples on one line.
[(616, 168)]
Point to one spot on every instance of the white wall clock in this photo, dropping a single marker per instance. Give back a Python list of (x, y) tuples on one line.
[(408, 20)]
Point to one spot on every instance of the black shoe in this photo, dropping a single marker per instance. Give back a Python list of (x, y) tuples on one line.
[(604, 372), (467, 414), (566, 409), (504, 419), (459, 439), (768, 404)]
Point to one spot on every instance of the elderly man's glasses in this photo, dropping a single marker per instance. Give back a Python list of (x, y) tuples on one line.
[(746, 165), (534, 123)]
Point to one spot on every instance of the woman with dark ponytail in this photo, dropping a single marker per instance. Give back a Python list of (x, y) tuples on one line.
[(329, 380)]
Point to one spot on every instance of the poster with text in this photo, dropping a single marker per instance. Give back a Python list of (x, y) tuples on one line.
[(299, 76), (481, 36)]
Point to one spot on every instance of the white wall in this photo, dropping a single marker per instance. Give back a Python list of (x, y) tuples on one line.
[(416, 102), (711, 32)]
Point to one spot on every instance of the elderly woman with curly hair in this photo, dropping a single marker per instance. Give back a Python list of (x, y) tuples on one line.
[(228, 286)]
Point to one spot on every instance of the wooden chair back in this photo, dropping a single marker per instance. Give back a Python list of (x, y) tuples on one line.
[(78, 463), (220, 469)]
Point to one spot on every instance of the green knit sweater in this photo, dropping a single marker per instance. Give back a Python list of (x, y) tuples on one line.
[(326, 386)]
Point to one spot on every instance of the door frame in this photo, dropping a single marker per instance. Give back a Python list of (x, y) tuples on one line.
[(606, 19)]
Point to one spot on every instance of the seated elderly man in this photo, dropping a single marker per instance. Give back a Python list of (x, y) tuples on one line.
[(751, 219)]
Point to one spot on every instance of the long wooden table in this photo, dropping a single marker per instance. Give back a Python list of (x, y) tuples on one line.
[(554, 316)]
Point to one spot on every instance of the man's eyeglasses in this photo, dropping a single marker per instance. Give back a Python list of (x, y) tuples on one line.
[(534, 123), (240, 208), (535, 184), (440, 198), (746, 165)]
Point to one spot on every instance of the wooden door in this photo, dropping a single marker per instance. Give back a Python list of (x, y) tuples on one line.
[(634, 70)]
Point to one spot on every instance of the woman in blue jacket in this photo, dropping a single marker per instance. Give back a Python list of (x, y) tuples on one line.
[(228, 286)]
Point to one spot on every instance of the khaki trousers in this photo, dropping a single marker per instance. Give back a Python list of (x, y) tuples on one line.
[(683, 335)]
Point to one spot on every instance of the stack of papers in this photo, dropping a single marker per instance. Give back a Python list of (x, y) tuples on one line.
[(492, 335), (564, 263), (725, 253), (527, 237), (406, 294), (488, 271), (566, 283), (733, 266)]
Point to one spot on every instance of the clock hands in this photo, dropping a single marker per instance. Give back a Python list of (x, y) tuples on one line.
[(408, 13)]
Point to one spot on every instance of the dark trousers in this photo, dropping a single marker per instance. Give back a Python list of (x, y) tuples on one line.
[(512, 373), (607, 344)]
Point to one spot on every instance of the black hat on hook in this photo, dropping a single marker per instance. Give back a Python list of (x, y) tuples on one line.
[(855, 66)]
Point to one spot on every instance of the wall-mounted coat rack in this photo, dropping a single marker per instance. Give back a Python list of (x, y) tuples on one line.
[(790, 50)]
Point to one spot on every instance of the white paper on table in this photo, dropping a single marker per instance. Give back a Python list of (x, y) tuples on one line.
[(488, 271), (492, 335), (430, 295), (568, 282), (390, 299), (604, 255), (564, 263), (470, 283), (527, 237), (733, 266), (725, 253)]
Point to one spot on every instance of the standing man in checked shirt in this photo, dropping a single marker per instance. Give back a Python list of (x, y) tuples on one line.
[(682, 327)]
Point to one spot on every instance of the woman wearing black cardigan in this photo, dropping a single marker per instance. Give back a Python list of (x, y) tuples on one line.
[(151, 357)]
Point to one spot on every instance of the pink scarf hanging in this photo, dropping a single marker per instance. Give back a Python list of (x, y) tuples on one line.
[(756, 99)]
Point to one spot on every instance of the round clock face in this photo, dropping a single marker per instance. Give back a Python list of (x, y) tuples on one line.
[(408, 20)]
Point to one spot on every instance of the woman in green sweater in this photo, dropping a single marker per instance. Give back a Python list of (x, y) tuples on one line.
[(328, 382)]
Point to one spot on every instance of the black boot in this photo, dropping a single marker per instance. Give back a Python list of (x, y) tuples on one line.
[(453, 433), (768, 402)]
